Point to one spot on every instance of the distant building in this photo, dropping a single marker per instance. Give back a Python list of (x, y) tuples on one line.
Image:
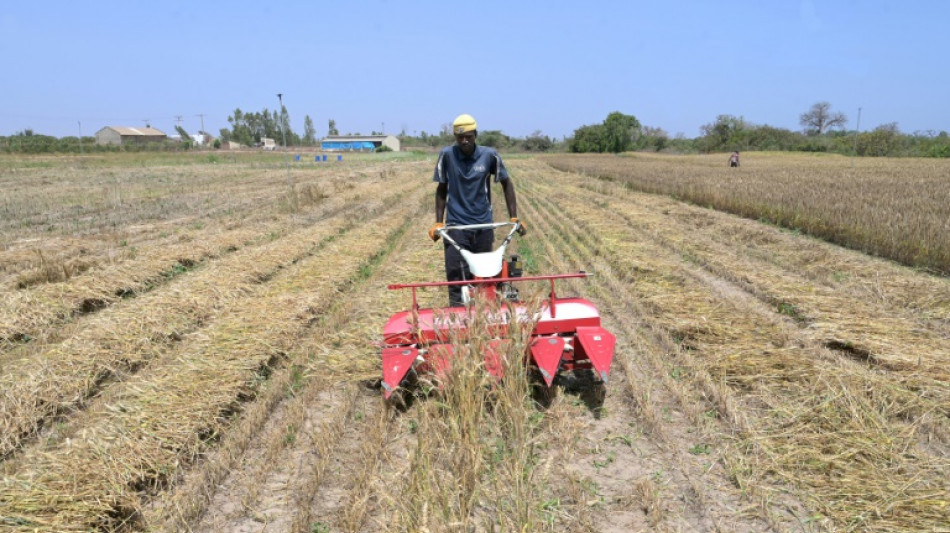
[(199, 140), (127, 135), (267, 144), (231, 145), (358, 143), (202, 139)]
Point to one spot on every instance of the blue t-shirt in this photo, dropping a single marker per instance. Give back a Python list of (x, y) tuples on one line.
[(469, 194)]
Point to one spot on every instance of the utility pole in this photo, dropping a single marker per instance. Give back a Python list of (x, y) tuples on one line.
[(280, 98), (856, 129), (202, 115), (80, 137), (283, 135)]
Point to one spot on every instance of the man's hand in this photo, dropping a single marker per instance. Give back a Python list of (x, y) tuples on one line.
[(432, 231), (522, 229)]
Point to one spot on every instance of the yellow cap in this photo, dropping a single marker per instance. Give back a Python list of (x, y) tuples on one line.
[(464, 124)]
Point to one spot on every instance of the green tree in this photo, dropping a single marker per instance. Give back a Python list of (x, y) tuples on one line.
[(249, 128), (618, 133), (621, 132), (655, 138), (284, 129), (186, 139), (241, 130), (309, 132), (725, 134), (587, 139), (770, 138), (493, 138), (331, 129), (884, 140), (537, 142)]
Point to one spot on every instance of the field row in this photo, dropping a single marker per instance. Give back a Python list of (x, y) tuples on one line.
[(425, 472), (174, 397), (763, 381), (897, 208), (123, 338), (318, 458), (785, 348)]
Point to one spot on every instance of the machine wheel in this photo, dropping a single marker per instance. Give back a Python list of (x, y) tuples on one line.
[(399, 400), (598, 393), (403, 397), (540, 392), (589, 388)]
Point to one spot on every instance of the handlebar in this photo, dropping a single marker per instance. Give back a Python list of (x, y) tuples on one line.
[(444, 231), (490, 225)]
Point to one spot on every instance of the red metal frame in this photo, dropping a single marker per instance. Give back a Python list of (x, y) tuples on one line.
[(415, 339), (488, 281)]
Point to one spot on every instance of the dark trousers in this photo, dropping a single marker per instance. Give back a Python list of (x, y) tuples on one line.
[(456, 269)]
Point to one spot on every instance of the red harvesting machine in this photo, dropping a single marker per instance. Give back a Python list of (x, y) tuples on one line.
[(567, 335)]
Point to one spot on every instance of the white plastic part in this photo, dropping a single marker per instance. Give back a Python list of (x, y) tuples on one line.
[(466, 294), (484, 265)]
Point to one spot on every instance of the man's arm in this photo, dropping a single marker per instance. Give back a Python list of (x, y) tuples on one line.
[(441, 194), (512, 202), (510, 197)]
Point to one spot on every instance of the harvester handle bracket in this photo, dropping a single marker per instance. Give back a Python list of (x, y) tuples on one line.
[(480, 281), (444, 231)]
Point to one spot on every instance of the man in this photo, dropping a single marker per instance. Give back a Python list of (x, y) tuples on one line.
[(734, 159), (463, 196)]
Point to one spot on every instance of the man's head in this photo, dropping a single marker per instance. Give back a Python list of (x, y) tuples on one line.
[(465, 130)]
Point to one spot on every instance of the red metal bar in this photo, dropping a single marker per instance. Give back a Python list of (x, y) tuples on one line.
[(482, 281)]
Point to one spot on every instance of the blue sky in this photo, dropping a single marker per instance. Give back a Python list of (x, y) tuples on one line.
[(517, 66)]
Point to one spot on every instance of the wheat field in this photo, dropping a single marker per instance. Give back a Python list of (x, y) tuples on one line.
[(189, 343)]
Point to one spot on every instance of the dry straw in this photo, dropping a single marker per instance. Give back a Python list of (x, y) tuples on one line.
[(845, 434), (123, 338), (476, 459), (334, 349), (896, 208), (141, 433), (30, 314)]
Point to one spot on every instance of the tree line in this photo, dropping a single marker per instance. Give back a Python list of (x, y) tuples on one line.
[(823, 130)]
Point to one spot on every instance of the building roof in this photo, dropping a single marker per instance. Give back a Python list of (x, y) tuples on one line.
[(135, 132), (332, 138)]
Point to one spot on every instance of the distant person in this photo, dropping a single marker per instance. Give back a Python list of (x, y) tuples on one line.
[(463, 196), (734, 159)]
